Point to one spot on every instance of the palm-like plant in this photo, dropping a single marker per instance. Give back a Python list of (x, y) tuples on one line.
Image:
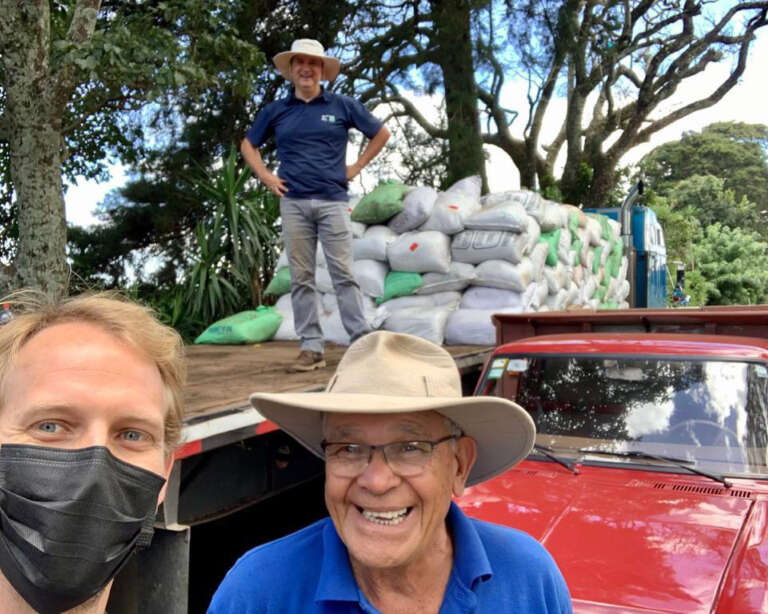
[(235, 244)]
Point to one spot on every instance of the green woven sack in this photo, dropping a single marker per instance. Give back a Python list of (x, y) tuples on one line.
[(608, 305), (573, 222), (598, 251), (281, 282), (617, 248), (381, 204), (552, 239), (253, 326), (399, 283), (576, 247), (600, 293), (613, 266)]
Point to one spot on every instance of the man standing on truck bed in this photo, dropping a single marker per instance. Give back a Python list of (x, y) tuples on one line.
[(90, 413), (399, 441), (310, 129)]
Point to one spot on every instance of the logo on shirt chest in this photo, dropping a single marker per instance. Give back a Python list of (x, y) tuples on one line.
[(330, 119)]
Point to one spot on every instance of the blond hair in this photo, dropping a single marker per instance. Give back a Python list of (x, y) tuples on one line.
[(130, 322)]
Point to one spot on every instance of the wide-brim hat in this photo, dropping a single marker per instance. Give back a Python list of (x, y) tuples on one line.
[(390, 373), (307, 46)]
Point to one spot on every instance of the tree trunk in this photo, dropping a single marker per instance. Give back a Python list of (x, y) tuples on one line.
[(454, 55), (34, 111)]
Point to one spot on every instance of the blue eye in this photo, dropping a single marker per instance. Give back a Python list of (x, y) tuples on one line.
[(48, 427), (134, 435)]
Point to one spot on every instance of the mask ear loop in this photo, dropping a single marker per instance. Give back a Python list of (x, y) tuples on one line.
[(147, 531)]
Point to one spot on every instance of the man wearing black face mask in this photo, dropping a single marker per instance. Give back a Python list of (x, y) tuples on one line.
[(90, 411)]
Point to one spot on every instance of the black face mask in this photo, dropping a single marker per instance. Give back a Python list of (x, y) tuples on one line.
[(69, 521)]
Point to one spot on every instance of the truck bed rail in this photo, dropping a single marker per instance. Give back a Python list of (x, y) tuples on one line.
[(740, 321)]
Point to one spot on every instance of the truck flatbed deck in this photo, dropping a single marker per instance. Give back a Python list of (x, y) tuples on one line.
[(221, 377)]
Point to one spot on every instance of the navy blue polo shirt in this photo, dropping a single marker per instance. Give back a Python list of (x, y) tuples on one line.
[(311, 140), (496, 569)]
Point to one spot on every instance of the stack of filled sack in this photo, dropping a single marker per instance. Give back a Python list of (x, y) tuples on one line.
[(439, 264)]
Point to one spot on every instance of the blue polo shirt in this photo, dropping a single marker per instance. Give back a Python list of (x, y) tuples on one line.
[(496, 569), (311, 140)]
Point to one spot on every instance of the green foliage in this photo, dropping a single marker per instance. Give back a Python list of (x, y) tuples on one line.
[(235, 247), (731, 267), (706, 198), (731, 151)]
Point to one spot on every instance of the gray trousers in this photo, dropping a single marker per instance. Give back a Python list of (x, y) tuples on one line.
[(304, 222)]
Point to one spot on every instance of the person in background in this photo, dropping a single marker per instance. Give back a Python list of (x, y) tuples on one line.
[(310, 130), (90, 413), (399, 441)]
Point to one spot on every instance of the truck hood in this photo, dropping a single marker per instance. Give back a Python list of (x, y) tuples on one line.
[(633, 541)]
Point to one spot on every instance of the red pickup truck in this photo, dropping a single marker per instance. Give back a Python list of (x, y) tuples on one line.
[(649, 480)]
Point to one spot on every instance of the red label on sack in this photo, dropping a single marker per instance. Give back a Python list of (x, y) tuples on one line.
[(414, 247), (349, 209), (453, 207)]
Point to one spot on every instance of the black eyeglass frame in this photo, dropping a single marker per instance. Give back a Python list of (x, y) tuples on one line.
[(383, 446)]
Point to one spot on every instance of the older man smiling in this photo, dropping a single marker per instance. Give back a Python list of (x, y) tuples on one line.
[(399, 441)]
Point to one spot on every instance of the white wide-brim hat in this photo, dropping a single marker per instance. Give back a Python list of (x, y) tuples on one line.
[(307, 46), (390, 373)]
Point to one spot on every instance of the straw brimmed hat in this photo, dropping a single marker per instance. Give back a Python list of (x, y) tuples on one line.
[(307, 46), (390, 373)]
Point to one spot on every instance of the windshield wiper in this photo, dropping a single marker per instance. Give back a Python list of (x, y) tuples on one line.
[(679, 462), (548, 452)]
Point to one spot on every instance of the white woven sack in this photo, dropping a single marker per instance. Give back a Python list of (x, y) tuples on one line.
[(482, 297), (450, 212), (624, 305), (459, 276), (623, 269), (589, 261), (496, 198), (417, 207), (370, 276), (507, 215), (476, 246), (333, 327), (472, 186), (588, 289), (473, 326), (450, 300), (373, 244), (584, 238), (505, 275), (538, 258), (564, 253), (573, 296), (535, 295), (287, 330), (428, 324), (420, 252), (592, 304), (532, 202), (533, 232), (623, 291), (557, 302), (556, 278), (615, 227), (553, 216), (356, 228), (606, 251), (578, 275), (594, 230), (571, 209)]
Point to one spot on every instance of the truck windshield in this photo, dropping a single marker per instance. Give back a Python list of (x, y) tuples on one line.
[(714, 413)]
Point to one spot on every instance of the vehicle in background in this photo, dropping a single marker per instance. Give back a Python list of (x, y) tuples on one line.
[(644, 245), (649, 479)]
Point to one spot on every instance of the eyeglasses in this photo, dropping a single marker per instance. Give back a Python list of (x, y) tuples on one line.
[(405, 458)]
